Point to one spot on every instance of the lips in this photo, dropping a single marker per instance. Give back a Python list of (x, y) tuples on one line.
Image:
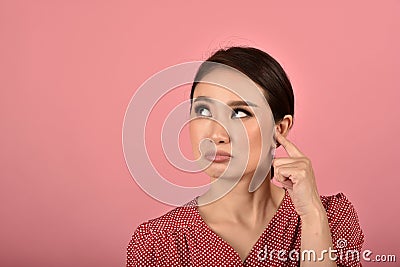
[(220, 156)]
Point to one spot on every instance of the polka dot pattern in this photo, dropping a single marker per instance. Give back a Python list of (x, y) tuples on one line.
[(182, 238)]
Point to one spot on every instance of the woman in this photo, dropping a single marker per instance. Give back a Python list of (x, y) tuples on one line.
[(231, 225)]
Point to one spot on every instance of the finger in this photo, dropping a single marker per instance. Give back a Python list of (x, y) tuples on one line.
[(291, 166), (291, 172), (287, 184), (290, 148), (284, 181), (282, 161), (280, 178), (295, 163)]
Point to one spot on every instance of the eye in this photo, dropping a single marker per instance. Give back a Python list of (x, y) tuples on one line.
[(202, 110), (240, 113)]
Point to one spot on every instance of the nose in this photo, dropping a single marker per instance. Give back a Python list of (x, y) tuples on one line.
[(218, 134)]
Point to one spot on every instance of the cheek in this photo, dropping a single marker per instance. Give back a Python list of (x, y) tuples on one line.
[(254, 136), (195, 134), (253, 133)]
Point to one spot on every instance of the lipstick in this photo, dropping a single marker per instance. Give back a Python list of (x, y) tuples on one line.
[(220, 156)]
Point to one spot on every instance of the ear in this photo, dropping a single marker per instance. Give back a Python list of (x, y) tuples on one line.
[(284, 125)]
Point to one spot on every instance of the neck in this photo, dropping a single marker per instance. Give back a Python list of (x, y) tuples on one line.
[(239, 204)]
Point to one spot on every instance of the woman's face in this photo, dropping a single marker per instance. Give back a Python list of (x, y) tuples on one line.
[(221, 117)]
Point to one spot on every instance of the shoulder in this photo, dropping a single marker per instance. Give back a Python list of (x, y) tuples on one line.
[(340, 210), (338, 205), (153, 234), (335, 199), (343, 220), (176, 220)]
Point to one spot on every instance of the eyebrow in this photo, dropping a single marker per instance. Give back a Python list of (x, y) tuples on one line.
[(231, 103)]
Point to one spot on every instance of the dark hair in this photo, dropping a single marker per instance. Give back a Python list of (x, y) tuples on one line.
[(262, 69)]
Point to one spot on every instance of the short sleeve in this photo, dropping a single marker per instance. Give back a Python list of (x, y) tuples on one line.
[(347, 235), (140, 251)]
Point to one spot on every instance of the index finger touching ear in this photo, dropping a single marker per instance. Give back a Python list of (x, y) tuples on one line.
[(290, 148)]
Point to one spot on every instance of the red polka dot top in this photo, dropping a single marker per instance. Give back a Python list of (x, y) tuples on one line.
[(182, 238)]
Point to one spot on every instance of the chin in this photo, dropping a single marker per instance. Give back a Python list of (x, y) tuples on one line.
[(215, 172)]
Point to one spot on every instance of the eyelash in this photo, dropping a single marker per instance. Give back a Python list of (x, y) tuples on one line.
[(199, 107), (235, 110)]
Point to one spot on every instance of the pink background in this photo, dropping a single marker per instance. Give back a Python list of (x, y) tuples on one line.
[(68, 71)]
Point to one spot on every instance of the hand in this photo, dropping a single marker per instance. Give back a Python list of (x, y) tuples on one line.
[(295, 173)]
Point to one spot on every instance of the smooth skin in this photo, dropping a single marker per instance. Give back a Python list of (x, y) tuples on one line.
[(240, 216)]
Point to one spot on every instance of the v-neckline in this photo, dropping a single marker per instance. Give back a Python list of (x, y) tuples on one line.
[(266, 229)]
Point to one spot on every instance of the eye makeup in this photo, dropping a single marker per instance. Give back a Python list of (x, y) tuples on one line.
[(237, 107), (236, 111), (202, 110)]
